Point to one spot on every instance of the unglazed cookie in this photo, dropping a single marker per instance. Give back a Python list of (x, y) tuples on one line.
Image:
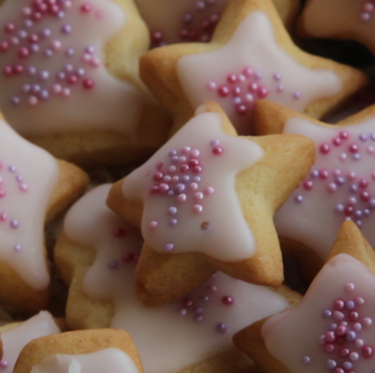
[(34, 189), (192, 20), (343, 19), (340, 185), (96, 255), (184, 198), (70, 79), (15, 337), (331, 329), (250, 57), (89, 351)]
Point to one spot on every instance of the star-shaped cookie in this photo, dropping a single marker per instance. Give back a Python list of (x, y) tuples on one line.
[(205, 202), (340, 185), (250, 57), (96, 255), (69, 79), (332, 328), (192, 20), (343, 19), (35, 188)]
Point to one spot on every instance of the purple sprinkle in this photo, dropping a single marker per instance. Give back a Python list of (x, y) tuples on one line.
[(180, 188), (340, 181), (198, 310), (48, 53), (69, 68), (17, 248), (171, 193), (182, 312), (258, 75), (28, 22), (44, 94), (172, 210), (198, 318), (347, 365), (359, 223), (204, 298), (297, 95), (339, 208), (61, 75), (35, 48), (331, 364), (197, 179), (306, 360), (46, 33), (298, 199), (357, 156), (36, 88), (333, 326), (172, 153), (113, 264), (4, 364), (81, 71), (350, 305), (22, 34), (363, 137), (19, 178), (277, 77), (60, 14), (372, 203), (14, 224), (327, 314), (353, 188), (31, 70), (12, 169), (69, 52), (91, 50), (351, 336), (15, 101), (175, 158), (221, 328), (214, 142), (187, 18), (26, 88), (366, 212), (173, 222), (169, 246), (373, 136), (185, 178), (314, 173), (358, 213), (66, 29), (280, 88), (44, 74)]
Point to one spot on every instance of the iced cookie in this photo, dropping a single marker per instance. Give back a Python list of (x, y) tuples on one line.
[(34, 189), (331, 329), (340, 185), (181, 21), (89, 351), (343, 19), (96, 255), (15, 337), (205, 202), (250, 57), (70, 82)]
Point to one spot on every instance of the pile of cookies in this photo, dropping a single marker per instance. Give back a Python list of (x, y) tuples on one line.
[(181, 206)]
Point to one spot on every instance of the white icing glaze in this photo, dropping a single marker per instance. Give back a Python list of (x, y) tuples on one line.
[(295, 334), (170, 21), (253, 45), (195, 230), (15, 339), (331, 18), (108, 360), (315, 222), (23, 205), (162, 331), (111, 105)]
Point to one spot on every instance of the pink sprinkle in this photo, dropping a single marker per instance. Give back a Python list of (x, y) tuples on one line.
[(359, 343), (153, 225), (353, 148), (354, 356), (23, 187), (336, 141), (193, 186), (324, 148), (88, 83), (323, 174), (56, 45), (232, 78), (248, 72), (4, 364), (329, 347), (181, 198), (217, 150), (332, 187), (197, 209), (223, 91), (363, 183), (212, 86), (119, 232), (209, 190), (359, 301), (344, 135), (198, 196), (337, 315), (2, 193), (262, 92), (3, 216), (308, 184), (343, 352), (367, 352), (163, 188), (367, 322), (349, 287), (86, 8)]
